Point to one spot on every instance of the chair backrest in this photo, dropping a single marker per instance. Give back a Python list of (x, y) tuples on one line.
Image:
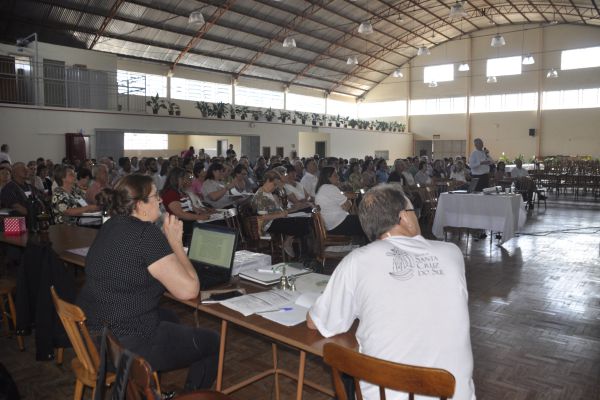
[(73, 319), (385, 374), (319, 227), (141, 383)]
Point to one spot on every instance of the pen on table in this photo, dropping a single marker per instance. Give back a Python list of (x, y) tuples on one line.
[(276, 310), (268, 271)]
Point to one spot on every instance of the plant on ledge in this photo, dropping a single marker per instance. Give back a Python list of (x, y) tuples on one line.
[(155, 103), (242, 112), (269, 114), (204, 108), (173, 108), (219, 110), (315, 118), (338, 121), (284, 116), (232, 111), (256, 114), (303, 117), (353, 123), (293, 116)]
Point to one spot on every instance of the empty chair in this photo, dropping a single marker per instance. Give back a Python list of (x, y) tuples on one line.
[(385, 374), (85, 365)]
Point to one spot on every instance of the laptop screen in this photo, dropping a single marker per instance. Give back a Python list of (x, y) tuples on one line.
[(212, 245)]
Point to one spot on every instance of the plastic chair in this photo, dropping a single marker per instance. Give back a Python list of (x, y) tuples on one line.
[(385, 374), (85, 365)]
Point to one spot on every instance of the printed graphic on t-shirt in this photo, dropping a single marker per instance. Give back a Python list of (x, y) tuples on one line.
[(406, 266)]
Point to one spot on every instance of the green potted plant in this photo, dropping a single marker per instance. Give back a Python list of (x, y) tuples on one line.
[(315, 118), (242, 111), (293, 117), (269, 114), (353, 123), (402, 127), (155, 103), (204, 108), (303, 117), (345, 121), (338, 121), (256, 114), (172, 107), (232, 111), (284, 116), (330, 120), (219, 110)]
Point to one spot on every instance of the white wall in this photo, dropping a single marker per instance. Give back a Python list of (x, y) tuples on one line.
[(33, 132)]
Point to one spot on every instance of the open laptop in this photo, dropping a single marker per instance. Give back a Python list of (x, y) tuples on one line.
[(211, 251), (471, 188)]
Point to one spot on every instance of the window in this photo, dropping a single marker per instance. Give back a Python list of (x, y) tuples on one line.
[(342, 108), (580, 58), (311, 104), (247, 96), (504, 102), (446, 105), (569, 99), (141, 84), (382, 109), (438, 73), (145, 141), (189, 89), (504, 66)]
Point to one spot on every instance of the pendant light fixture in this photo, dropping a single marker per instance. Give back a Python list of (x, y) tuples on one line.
[(457, 11), (196, 18), (498, 41), (528, 60), (552, 74), (365, 28), (289, 42), (352, 60), (463, 67), (397, 73), (423, 51), (492, 79), (432, 84)]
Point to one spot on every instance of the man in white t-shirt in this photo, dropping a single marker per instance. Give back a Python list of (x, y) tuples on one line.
[(309, 180), (409, 293), (518, 171)]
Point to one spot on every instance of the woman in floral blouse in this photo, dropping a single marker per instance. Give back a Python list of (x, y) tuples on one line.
[(276, 218), (67, 199)]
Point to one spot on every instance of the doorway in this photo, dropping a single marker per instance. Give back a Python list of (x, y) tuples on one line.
[(320, 148), (222, 146)]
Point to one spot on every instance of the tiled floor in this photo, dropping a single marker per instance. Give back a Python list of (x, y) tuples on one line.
[(535, 320)]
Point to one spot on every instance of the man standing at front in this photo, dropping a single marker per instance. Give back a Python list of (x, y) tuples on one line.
[(409, 293), (480, 162)]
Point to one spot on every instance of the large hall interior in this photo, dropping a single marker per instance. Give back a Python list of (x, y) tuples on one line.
[(401, 81)]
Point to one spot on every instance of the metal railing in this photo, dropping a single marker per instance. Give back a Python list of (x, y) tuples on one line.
[(54, 84)]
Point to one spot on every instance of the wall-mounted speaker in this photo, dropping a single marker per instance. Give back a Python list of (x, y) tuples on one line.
[(532, 132)]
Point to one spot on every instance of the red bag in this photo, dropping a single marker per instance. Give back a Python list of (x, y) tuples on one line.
[(14, 226)]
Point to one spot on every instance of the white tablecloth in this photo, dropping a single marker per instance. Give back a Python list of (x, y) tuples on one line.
[(498, 213)]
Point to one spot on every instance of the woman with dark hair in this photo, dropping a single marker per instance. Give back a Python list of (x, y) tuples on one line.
[(175, 199), (382, 174), (354, 176), (240, 181), (128, 268), (84, 176), (198, 180), (277, 221), (335, 205), (214, 191), (67, 199)]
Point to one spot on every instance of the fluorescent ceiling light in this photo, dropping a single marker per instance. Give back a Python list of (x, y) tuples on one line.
[(457, 11), (492, 79), (365, 27), (352, 60), (289, 42), (397, 73), (528, 60), (196, 18), (423, 51), (498, 41), (463, 67), (552, 74)]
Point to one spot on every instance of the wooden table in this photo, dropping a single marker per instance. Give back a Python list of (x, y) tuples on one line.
[(300, 337), (62, 237)]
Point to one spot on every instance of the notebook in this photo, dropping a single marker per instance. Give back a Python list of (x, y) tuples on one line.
[(211, 251)]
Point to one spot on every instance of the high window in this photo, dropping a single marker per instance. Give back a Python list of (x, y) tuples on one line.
[(438, 73), (145, 141), (382, 109), (568, 99), (580, 58), (247, 96), (504, 66), (189, 89), (137, 83), (342, 108), (444, 105), (311, 104), (504, 102)]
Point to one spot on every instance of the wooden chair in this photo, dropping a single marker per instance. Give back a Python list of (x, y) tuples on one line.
[(85, 365), (143, 383), (385, 374), (326, 244), (7, 288)]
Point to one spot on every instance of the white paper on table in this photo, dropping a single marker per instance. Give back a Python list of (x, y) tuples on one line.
[(297, 312), (82, 251), (260, 302)]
